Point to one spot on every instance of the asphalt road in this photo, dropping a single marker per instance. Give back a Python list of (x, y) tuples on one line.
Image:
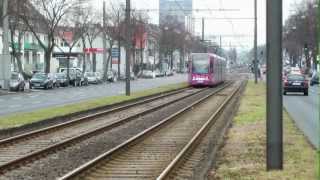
[(38, 99), (305, 112)]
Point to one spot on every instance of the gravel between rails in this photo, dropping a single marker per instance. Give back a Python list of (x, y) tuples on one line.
[(63, 161), (150, 155), (26, 146), (199, 161)]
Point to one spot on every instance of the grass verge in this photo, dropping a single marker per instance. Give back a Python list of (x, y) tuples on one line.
[(243, 155), (19, 119)]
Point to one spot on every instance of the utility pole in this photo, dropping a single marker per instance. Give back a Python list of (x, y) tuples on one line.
[(105, 65), (274, 85), (202, 30), (119, 44), (5, 64), (255, 56), (128, 47), (202, 39)]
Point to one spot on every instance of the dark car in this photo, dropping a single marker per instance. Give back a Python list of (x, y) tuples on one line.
[(314, 79), (41, 80), (112, 76), (16, 82), (62, 78), (295, 83)]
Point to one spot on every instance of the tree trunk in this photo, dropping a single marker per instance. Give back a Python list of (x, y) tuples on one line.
[(181, 60), (84, 65), (171, 62), (94, 62), (47, 55), (119, 57), (68, 66), (141, 63)]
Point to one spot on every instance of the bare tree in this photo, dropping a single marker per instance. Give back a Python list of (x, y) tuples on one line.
[(76, 26), (300, 34), (17, 31), (115, 33), (47, 22), (94, 29)]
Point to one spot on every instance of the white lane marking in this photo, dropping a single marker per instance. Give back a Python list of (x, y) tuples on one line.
[(35, 102), (15, 106)]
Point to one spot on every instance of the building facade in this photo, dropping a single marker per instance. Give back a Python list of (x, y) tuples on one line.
[(177, 11)]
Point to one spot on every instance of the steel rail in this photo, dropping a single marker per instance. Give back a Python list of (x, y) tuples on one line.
[(196, 138), (16, 162), (86, 118), (137, 137)]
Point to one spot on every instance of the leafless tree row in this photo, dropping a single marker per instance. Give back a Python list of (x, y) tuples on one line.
[(300, 34), (54, 18)]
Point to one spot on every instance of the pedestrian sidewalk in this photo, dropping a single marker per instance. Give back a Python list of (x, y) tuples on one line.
[(244, 154)]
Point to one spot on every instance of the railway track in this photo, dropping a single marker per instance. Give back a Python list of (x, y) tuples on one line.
[(156, 152), (19, 150)]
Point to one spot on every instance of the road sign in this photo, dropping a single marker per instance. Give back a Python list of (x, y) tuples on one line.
[(115, 53), (93, 50)]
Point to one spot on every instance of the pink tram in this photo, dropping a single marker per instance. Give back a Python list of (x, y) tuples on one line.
[(206, 69)]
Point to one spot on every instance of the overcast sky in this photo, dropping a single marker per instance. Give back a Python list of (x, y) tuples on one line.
[(238, 33)]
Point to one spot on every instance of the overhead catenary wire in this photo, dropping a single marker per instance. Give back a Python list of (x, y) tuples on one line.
[(232, 25)]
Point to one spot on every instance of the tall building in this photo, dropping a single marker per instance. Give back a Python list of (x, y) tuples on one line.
[(177, 11)]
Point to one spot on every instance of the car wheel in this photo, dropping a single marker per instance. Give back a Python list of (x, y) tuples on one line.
[(22, 88)]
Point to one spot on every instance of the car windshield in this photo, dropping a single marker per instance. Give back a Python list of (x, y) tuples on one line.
[(40, 76), (295, 78), (200, 66), (14, 76)]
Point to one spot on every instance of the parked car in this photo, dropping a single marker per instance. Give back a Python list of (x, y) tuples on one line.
[(314, 79), (123, 76), (112, 76), (62, 78), (159, 73), (99, 76), (148, 74), (168, 72), (74, 75), (56, 81), (295, 83), (83, 80), (92, 77), (41, 80), (16, 82)]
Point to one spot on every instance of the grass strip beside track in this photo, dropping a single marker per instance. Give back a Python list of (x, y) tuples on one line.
[(19, 119), (243, 155)]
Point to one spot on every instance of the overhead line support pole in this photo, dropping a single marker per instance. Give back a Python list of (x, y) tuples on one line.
[(128, 47), (274, 86), (255, 57)]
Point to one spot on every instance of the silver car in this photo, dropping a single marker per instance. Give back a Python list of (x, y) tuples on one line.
[(16, 82)]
